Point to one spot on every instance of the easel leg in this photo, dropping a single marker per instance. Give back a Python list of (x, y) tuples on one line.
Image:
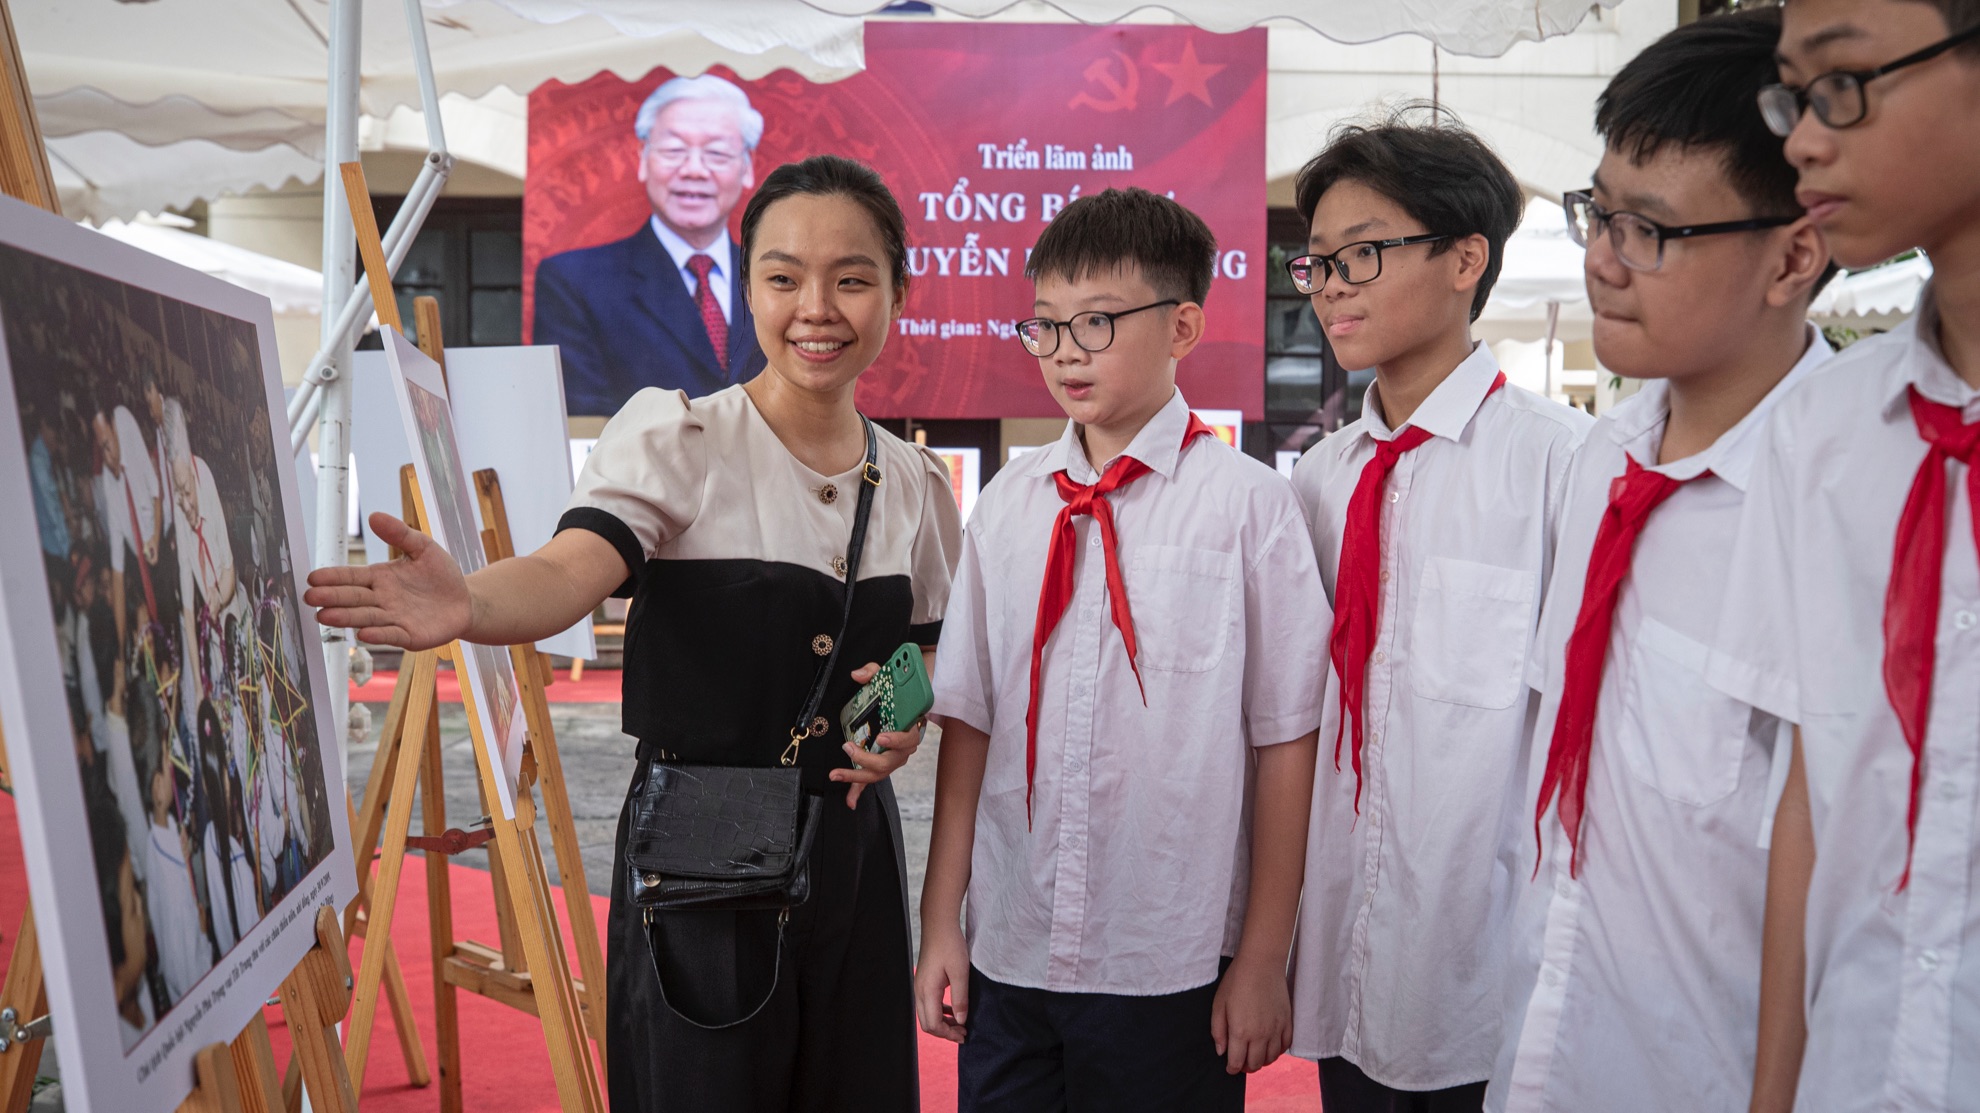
[(29, 997), (505, 909), (570, 862), (217, 1087), (365, 830), (403, 1020), (440, 926), (556, 1003), (384, 889), (254, 1062), (315, 998)]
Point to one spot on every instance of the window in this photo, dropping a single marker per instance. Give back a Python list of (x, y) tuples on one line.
[(468, 254), (1307, 394)]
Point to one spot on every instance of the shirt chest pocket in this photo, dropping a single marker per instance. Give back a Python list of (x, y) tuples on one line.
[(1469, 638), (1182, 603), (1680, 736)]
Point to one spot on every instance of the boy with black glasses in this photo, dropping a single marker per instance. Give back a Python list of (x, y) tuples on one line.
[(1128, 715), (1853, 608), (1433, 518), (1634, 980)]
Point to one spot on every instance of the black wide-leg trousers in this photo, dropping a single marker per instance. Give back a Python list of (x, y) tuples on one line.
[(837, 1031)]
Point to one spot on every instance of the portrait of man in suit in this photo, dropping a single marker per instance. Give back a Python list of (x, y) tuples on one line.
[(664, 306)]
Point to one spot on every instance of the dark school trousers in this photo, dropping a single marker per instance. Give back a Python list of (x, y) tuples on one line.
[(837, 1034), (1344, 1089), (1037, 1051)]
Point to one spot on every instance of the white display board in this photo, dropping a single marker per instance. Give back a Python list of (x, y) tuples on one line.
[(965, 475), (164, 694), (487, 677), (508, 415)]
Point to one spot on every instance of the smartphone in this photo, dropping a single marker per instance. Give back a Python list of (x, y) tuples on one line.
[(897, 695)]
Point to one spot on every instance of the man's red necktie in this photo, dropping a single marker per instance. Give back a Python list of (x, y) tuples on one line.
[(1357, 592), (1911, 603), (1632, 496), (1055, 595), (711, 310)]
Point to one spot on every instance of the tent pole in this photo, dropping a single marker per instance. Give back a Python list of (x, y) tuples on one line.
[(305, 406), (339, 272), (1553, 330)]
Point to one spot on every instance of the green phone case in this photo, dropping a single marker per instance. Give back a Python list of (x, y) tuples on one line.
[(897, 696)]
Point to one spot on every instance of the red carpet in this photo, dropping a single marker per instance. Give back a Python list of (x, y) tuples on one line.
[(505, 1065), (598, 686)]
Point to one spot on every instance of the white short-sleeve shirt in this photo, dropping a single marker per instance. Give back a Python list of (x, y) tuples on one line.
[(1131, 877), (1650, 957), (1893, 992), (127, 499), (1402, 931)]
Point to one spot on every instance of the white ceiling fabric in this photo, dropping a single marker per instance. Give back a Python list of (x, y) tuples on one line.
[(1892, 288), (1541, 263), (245, 80), (1482, 28), (100, 175)]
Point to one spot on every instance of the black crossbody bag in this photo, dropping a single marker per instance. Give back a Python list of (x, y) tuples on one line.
[(737, 838)]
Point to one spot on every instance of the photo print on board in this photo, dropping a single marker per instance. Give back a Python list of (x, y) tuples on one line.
[(163, 691), (489, 678)]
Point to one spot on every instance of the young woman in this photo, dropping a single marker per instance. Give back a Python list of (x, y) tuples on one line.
[(727, 519)]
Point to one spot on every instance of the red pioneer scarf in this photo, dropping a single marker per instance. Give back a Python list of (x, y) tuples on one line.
[(1357, 593), (1055, 595), (1911, 603), (1632, 496)]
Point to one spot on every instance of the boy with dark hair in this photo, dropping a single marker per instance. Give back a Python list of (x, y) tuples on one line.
[(1128, 715), (1634, 980), (1853, 606), (1433, 518)]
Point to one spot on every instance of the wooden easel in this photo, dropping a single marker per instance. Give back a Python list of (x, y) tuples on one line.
[(24, 174), (531, 969), (236, 1077)]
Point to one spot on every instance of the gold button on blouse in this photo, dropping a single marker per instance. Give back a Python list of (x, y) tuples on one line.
[(828, 494), (818, 726), (839, 566), (822, 644)]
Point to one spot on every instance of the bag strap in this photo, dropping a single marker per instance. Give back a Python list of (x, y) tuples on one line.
[(776, 975), (869, 474)]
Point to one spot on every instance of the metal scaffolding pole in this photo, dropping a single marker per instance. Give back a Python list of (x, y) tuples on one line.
[(333, 473), (324, 399)]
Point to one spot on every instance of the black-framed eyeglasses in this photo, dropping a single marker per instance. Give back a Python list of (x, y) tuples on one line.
[(1356, 263), (1639, 241), (1837, 96), (1092, 331)]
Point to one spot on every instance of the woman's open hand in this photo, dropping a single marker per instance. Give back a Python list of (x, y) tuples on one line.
[(896, 747), (416, 602)]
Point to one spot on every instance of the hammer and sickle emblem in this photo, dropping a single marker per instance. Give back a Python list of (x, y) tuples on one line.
[(1101, 71)]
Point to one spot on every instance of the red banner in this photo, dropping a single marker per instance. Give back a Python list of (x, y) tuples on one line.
[(983, 132)]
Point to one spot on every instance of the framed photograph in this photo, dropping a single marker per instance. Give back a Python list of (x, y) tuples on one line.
[(508, 406), (965, 475), (162, 690), (487, 673)]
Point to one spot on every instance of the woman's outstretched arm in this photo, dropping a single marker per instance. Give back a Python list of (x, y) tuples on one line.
[(421, 600)]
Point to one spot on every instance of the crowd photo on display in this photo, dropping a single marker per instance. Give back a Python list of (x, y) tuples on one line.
[(172, 590)]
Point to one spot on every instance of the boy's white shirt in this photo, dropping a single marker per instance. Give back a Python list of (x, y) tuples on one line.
[(1402, 932), (1651, 955), (1132, 876), (1893, 992)]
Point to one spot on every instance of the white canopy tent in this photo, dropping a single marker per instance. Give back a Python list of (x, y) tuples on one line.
[(234, 95), (292, 290), (1890, 290), (151, 106)]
